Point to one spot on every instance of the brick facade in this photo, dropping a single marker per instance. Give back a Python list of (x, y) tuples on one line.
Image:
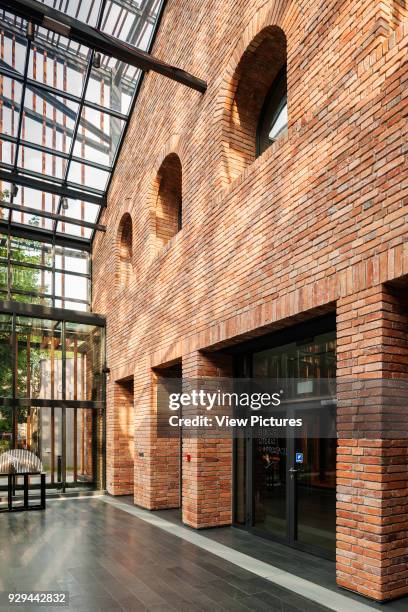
[(315, 224)]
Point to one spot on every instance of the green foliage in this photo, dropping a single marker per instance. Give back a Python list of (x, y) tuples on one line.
[(26, 279)]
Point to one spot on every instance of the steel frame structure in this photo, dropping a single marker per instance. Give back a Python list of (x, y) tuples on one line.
[(61, 318), (11, 266), (107, 37)]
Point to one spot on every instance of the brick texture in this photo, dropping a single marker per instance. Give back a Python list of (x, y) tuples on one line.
[(207, 477), (319, 219), (372, 468)]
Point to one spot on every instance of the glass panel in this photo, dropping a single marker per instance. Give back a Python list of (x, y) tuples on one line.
[(34, 199), (71, 260), (84, 361), (7, 152), (79, 306), (71, 287), (85, 211), (270, 485), (100, 131), (310, 361), (49, 120), (30, 251), (280, 122), (3, 276), (51, 69), (44, 163), (273, 121), (86, 175), (31, 280), (50, 425), (6, 371), (6, 429), (111, 85), (80, 433), (39, 358), (73, 230), (28, 429), (14, 48), (31, 299), (316, 479)]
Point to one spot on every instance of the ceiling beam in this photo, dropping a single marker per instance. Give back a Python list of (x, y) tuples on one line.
[(60, 190), (84, 34), (49, 215), (43, 235)]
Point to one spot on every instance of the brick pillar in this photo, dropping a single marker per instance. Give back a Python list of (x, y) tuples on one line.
[(156, 474), (207, 478), (372, 501), (121, 439), (165, 461)]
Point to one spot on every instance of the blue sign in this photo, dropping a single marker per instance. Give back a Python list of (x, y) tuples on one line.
[(299, 457)]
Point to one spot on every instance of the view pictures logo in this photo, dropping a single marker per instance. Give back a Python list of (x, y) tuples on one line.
[(209, 400)]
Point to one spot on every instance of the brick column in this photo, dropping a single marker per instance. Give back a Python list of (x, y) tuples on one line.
[(120, 437), (156, 473), (372, 500), (207, 478)]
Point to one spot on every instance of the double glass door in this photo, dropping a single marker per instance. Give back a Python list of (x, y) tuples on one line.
[(285, 487)]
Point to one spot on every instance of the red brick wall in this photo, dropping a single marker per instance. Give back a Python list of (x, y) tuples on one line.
[(319, 218), (207, 477), (372, 469)]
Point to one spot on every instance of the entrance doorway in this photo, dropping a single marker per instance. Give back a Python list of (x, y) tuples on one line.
[(285, 488)]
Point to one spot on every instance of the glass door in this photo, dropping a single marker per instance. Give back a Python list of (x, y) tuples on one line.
[(312, 476), (285, 487)]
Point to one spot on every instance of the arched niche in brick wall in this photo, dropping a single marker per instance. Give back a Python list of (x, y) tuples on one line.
[(261, 67), (168, 188), (125, 239)]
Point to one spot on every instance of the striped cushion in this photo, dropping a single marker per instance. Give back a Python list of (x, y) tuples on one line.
[(19, 460)]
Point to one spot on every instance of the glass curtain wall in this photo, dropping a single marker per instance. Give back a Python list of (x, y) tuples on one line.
[(51, 396), (44, 273), (64, 112)]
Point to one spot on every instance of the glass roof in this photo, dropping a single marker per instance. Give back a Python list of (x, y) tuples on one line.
[(64, 110)]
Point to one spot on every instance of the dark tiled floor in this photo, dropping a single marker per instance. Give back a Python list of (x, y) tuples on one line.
[(309, 567), (109, 560)]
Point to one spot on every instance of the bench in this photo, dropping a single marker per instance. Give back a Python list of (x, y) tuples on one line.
[(21, 462)]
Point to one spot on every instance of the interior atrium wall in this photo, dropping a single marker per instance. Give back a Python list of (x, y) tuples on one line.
[(315, 224)]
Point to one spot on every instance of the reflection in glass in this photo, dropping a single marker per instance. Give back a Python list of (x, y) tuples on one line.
[(84, 362), (294, 501), (270, 486), (80, 434), (6, 429), (6, 366), (39, 355), (274, 116), (30, 276), (316, 479)]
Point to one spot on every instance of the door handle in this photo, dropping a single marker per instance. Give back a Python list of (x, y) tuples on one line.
[(292, 472)]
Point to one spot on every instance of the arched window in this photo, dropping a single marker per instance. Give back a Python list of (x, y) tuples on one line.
[(169, 199), (259, 108), (125, 250), (273, 121)]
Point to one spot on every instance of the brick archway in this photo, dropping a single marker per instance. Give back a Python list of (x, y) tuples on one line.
[(281, 19)]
